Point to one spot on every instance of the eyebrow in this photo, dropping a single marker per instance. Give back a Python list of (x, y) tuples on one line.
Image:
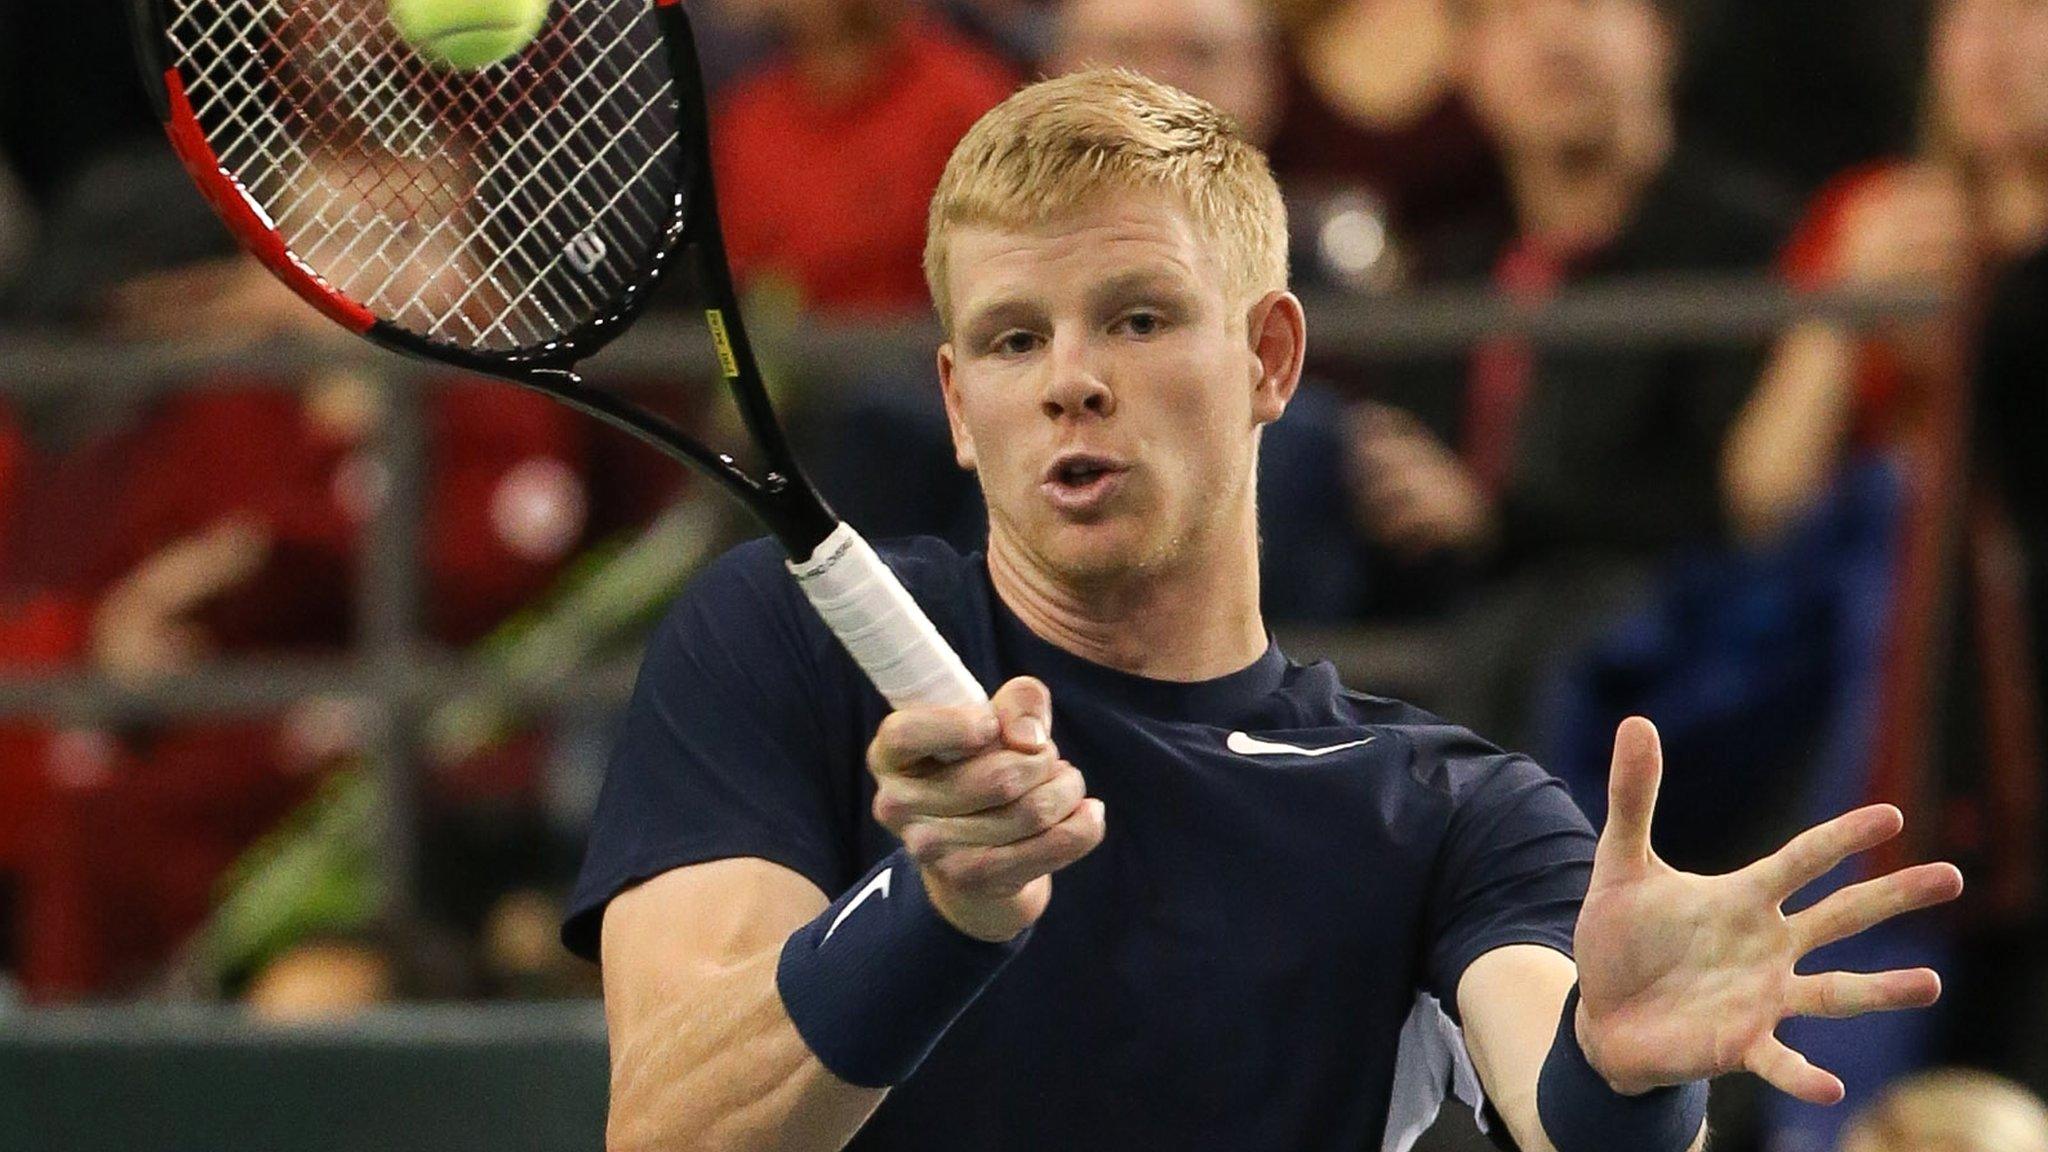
[(1141, 282), (1004, 312)]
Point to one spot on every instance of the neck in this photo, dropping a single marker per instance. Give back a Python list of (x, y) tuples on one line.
[(1195, 618), (1576, 199)]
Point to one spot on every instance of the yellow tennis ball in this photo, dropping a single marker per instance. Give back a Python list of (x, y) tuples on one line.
[(468, 34)]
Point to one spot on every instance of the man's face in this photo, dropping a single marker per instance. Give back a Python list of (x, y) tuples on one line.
[(1101, 382), (1219, 50), (1565, 75), (1990, 74)]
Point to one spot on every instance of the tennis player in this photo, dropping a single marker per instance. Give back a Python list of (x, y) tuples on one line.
[(1285, 915)]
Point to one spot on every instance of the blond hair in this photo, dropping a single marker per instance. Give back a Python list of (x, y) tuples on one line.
[(1951, 1110), (1054, 146)]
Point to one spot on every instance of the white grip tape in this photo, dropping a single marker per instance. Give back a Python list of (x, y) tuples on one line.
[(889, 636)]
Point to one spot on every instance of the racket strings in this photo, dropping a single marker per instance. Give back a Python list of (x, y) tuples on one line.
[(496, 210)]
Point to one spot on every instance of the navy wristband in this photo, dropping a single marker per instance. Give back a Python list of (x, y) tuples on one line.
[(878, 977), (1581, 1113)]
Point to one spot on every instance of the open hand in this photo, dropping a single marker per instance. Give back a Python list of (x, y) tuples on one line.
[(1685, 977)]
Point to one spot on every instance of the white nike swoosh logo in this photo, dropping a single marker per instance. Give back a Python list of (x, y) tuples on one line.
[(879, 884), (1245, 745)]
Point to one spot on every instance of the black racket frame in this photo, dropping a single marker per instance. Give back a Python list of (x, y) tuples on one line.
[(782, 497)]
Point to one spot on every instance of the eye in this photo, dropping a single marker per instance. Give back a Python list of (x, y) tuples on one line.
[(1142, 323), (1015, 342)]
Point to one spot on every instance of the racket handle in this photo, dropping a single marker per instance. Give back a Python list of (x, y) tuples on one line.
[(889, 636)]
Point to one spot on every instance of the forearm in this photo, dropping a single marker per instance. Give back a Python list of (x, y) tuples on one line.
[(721, 1066), (1789, 437), (759, 1039)]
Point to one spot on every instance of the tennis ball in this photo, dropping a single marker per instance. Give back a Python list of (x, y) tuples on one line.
[(468, 34)]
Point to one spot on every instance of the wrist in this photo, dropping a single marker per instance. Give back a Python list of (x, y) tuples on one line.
[(1581, 1111), (875, 981), (992, 920), (1585, 1037)]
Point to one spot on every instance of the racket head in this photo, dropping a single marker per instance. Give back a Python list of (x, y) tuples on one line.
[(510, 220)]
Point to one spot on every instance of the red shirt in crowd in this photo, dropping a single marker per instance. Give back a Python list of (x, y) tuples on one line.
[(1812, 261), (831, 194)]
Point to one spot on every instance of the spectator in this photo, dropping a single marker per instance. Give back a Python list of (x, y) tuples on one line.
[(1370, 109), (826, 160), (1916, 638), (1900, 223), (1971, 206), (152, 533), (1952, 1110), (1224, 51), (1556, 479)]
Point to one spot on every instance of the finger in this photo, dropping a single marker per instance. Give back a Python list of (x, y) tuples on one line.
[(1861, 906), (1037, 810), (1792, 1074), (923, 739), (1006, 869), (1839, 995), (990, 780), (1815, 852), (1025, 708), (1632, 780)]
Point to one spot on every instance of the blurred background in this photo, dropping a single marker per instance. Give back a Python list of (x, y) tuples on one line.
[(1668, 356)]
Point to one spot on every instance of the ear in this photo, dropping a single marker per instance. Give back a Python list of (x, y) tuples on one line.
[(1277, 334), (963, 443)]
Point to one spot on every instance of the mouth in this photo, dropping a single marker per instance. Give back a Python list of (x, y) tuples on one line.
[(1081, 482)]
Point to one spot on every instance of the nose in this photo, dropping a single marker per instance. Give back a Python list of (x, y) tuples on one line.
[(1074, 385)]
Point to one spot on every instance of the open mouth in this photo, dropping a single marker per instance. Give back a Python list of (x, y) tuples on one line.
[(1079, 481)]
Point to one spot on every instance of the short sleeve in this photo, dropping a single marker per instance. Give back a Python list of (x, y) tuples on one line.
[(1812, 256), (726, 749), (1512, 869)]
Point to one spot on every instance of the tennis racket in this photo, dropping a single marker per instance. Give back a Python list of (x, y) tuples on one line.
[(511, 221)]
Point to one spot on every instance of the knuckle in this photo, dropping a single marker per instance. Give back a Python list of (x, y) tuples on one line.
[(1053, 803), (890, 809), (1010, 782), (923, 845), (1072, 782), (1022, 690), (1046, 808), (886, 748), (1077, 838)]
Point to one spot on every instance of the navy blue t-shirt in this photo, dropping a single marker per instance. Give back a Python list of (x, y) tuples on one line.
[(1234, 967)]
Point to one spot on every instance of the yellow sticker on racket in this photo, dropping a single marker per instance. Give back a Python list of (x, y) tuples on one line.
[(726, 361)]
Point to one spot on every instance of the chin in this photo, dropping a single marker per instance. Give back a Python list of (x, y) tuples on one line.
[(1105, 550)]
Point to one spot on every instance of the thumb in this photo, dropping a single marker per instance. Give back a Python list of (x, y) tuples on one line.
[(1632, 781), (1024, 706)]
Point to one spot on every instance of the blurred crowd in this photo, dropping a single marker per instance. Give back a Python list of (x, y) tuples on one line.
[(1816, 559)]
